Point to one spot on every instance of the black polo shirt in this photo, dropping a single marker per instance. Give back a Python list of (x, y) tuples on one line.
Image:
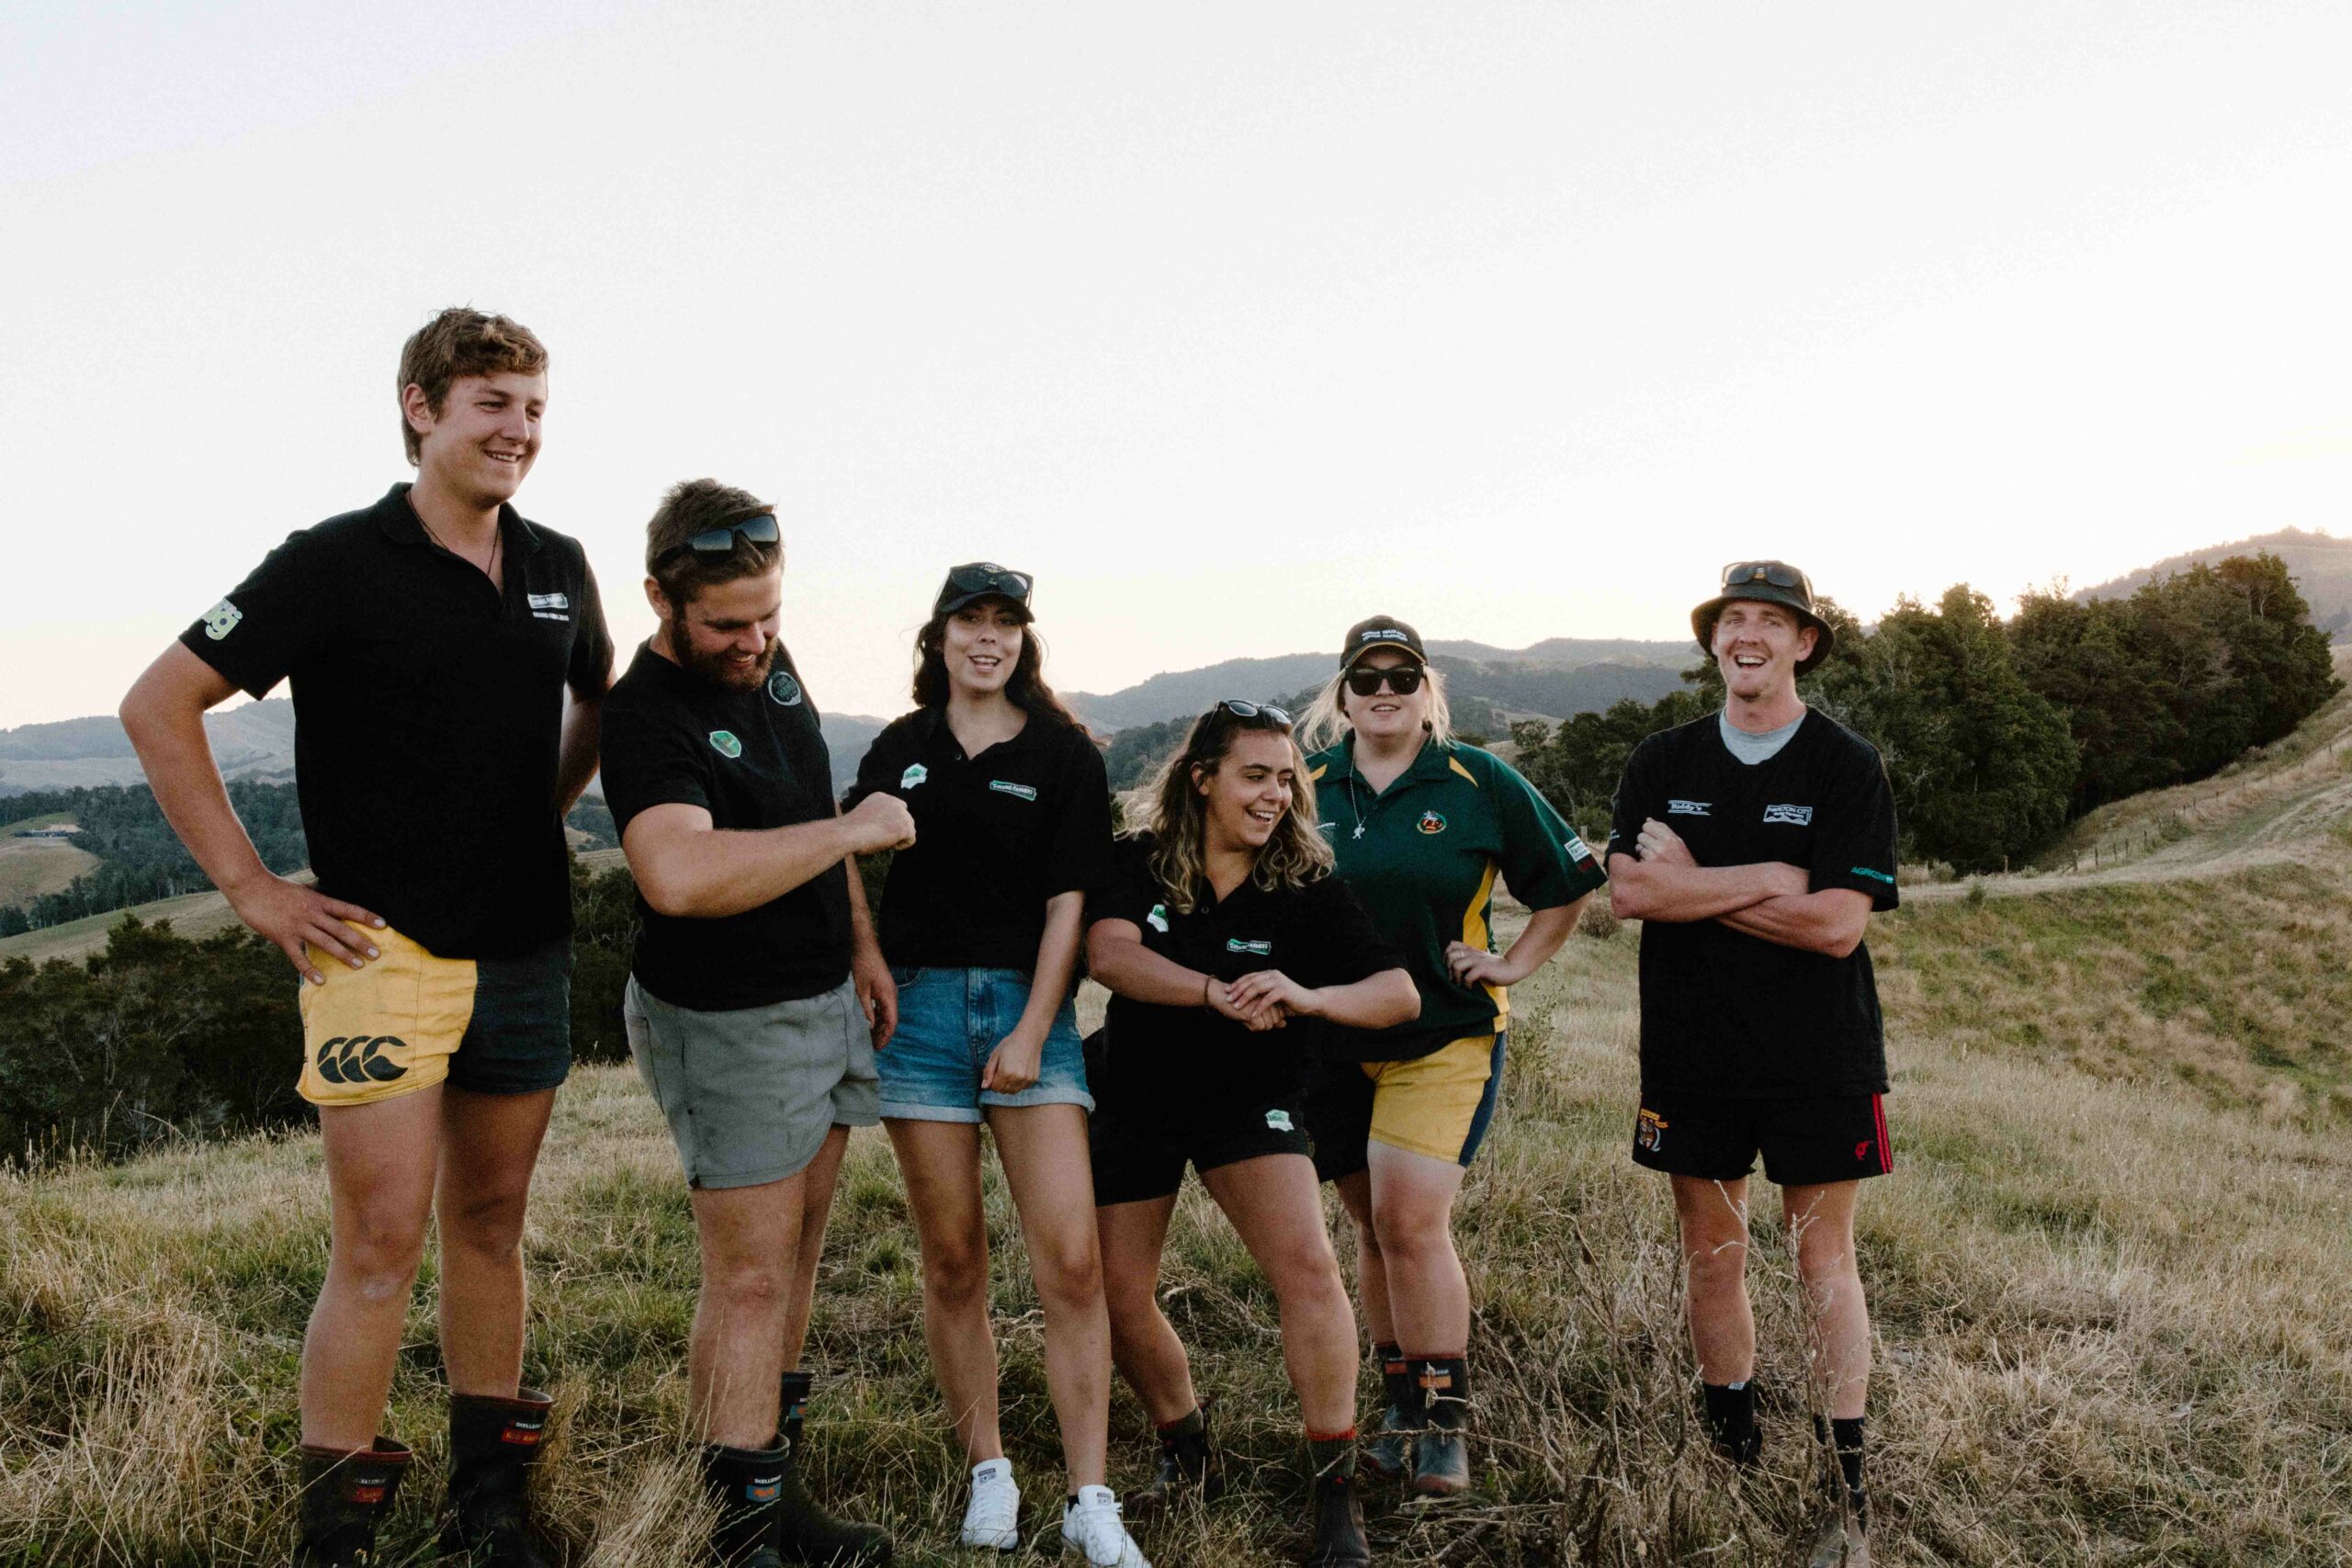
[(996, 836), (1185, 1056), (1727, 1013), (428, 715), (752, 760)]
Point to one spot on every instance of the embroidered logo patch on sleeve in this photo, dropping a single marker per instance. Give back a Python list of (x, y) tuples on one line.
[(222, 619)]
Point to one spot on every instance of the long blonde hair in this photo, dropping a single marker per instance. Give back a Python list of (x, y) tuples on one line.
[(1326, 720), (1173, 814)]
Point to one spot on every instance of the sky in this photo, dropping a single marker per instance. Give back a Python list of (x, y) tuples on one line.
[(1231, 323)]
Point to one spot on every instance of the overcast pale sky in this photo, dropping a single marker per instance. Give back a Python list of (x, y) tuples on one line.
[(1231, 323)]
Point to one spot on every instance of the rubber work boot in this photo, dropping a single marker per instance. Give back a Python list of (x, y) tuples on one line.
[(805, 1532), (344, 1494), (1441, 1452), (1189, 1468), (1390, 1455), (746, 1485), (1338, 1512), (493, 1442)]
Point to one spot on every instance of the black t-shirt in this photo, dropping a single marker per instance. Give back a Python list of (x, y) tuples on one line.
[(996, 836), (1318, 935), (752, 760), (1727, 1013), (428, 715)]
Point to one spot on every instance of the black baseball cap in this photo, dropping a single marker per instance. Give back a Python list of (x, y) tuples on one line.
[(982, 580), (1380, 631), (1770, 582)]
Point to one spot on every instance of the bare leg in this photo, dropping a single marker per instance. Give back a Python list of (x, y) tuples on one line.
[(1822, 1220), (751, 1243), (490, 1145), (1412, 1210), (1277, 1208), (380, 1161), (1044, 1151), (941, 1162), (815, 1212), (1143, 1343), (1713, 1220), (1371, 1269)]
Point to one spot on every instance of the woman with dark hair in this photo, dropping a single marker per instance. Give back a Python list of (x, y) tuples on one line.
[(1422, 825), (980, 923), (1223, 924)]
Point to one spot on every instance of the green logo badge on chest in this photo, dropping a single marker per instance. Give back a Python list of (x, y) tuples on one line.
[(1431, 822), (1279, 1120), (1243, 945), (916, 772), (784, 689), (1026, 791), (723, 741), (1158, 918)]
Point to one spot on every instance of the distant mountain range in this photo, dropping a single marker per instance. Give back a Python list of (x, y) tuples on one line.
[(1555, 678), (2322, 565)]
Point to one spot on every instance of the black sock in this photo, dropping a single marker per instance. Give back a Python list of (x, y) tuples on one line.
[(1845, 1434), (1731, 1420), (1334, 1455), (1443, 1385)]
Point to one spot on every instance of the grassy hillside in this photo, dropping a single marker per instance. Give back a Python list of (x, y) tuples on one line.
[(30, 867), (2107, 1301)]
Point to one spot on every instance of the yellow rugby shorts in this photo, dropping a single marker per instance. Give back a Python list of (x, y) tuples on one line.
[(386, 1028)]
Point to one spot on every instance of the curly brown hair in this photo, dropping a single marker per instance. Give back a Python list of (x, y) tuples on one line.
[(461, 340), (1178, 822)]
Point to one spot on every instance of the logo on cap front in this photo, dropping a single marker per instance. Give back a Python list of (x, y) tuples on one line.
[(1384, 633)]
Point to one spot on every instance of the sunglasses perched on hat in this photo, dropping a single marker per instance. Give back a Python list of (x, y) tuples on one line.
[(980, 580), (1765, 582)]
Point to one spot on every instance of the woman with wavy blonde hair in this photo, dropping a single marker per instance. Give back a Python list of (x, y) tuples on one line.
[(1226, 943)]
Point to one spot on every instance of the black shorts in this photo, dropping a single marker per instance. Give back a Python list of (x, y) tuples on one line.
[(1143, 1156), (1805, 1141)]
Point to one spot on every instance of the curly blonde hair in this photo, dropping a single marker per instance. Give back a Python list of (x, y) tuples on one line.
[(1326, 720), (1173, 812)]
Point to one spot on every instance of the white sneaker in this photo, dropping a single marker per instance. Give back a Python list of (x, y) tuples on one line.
[(1092, 1525), (993, 1517)]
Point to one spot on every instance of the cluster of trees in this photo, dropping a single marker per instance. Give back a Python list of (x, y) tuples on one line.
[(1995, 735), (142, 860), (160, 1036)]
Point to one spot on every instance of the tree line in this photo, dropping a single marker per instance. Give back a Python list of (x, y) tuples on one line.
[(1995, 735), (142, 860)]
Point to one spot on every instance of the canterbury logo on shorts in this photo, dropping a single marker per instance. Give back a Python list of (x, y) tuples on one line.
[(386, 1028), (358, 1059)]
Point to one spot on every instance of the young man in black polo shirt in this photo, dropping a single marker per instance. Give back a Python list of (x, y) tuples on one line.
[(1754, 845), (447, 660), (757, 996)]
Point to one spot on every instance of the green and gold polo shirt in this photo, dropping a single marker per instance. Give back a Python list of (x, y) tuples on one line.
[(1423, 855)]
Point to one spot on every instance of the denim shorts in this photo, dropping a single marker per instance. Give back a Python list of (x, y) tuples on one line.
[(949, 1022)]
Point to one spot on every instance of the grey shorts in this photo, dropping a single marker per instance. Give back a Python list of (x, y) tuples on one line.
[(752, 1093)]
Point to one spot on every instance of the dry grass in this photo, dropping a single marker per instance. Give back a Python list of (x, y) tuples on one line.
[(2108, 1312)]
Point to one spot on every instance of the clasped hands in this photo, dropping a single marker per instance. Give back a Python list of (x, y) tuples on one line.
[(1262, 1000)]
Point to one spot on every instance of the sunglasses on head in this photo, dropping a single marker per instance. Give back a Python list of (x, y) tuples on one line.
[(1402, 679), (1013, 585), (1774, 572), (1267, 711), (759, 530)]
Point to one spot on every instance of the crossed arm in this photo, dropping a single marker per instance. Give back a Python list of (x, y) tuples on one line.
[(1770, 900), (1116, 955)]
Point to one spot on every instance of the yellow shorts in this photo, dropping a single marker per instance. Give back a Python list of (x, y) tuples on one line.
[(385, 1030), (1438, 1105)]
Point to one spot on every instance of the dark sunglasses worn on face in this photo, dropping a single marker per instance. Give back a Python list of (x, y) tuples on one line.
[(759, 530), (1013, 585), (1774, 572), (1402, 679), (1240, 710)]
